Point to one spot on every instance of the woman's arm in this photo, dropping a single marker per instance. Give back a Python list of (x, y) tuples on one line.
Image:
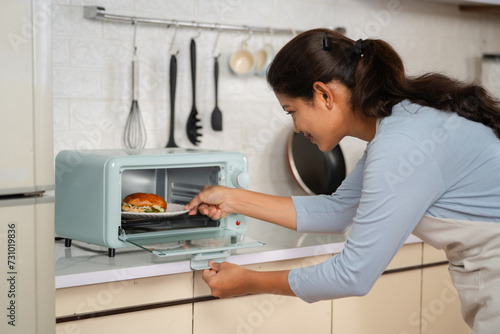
[(219, 201), (227, 279), (331, 213), (393, 201), (316, 214)]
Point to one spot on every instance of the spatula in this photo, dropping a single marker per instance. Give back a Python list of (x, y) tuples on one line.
[(173, 80), (216, 113), (191, 126)]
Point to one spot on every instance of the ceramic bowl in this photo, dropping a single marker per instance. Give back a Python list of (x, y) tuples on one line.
[(263, 58), (242, 63)]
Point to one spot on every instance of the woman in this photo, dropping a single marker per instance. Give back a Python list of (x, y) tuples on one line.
[(431, 167)]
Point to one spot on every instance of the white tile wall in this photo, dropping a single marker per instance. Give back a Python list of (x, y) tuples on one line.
[(92, 71)]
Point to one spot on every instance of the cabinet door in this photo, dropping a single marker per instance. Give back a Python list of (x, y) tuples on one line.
[(176, 319), (96, 299), (27, 253), (393, 304), (263, 314), (26, 86), (123, 293)]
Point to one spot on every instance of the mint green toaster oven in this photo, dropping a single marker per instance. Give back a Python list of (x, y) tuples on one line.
[(91, 184)]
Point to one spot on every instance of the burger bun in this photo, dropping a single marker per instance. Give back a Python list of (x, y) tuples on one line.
[(145, 201)]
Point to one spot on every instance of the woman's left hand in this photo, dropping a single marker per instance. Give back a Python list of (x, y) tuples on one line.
[(226, 279)]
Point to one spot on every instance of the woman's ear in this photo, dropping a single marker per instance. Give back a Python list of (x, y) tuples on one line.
[(323, 94)]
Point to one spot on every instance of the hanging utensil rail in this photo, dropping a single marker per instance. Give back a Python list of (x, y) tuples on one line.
[(96, 12)]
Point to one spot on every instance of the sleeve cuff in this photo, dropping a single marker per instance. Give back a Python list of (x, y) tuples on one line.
[(293, 282)]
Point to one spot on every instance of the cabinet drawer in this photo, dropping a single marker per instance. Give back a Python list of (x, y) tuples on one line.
[(98, 297), (175, 319), (263, 314)]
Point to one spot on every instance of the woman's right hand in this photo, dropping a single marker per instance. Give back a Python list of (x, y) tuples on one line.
[(211, 201), (219, 201)]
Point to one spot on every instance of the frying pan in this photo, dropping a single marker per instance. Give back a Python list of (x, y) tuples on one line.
[(315, 171)]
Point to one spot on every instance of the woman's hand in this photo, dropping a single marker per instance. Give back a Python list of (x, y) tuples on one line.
[(211, 201), (227, 279), (219, 201)]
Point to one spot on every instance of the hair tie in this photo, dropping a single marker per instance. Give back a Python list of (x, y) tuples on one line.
[(358, 47), (327, 42)]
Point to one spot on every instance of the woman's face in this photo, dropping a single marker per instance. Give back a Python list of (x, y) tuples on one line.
[(326, 119)]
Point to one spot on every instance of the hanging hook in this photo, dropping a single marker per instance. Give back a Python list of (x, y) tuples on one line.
[(216, 55), (196, 24), (245, 41), (172, 42), (271, 35), (134, 23), (250, 33)]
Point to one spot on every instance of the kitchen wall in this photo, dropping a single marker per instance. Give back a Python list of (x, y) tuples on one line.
[(92, 69)]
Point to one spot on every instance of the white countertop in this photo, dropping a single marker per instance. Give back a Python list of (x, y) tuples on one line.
[(84, 264)]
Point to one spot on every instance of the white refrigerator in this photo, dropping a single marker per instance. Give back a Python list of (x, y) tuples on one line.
[(26, 169)]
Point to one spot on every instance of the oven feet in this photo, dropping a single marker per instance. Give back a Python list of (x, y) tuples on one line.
[(67, 242), (111, 251)]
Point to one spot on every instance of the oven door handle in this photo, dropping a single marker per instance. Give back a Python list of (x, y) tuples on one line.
[(200, 261)]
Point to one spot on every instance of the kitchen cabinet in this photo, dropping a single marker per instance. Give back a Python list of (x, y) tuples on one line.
[(261, 313), (408, 299), (266, 314), (393, 304), (176, 319), (118, 295), (420, 300), (488, 7), (26, 168), (465, 3)]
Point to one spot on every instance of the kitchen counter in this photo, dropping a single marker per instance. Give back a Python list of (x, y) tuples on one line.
[(85, 264)]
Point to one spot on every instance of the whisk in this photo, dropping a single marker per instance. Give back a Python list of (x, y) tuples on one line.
[(134, 136)]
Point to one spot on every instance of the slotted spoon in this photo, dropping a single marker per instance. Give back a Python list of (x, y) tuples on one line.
[(191, 126)]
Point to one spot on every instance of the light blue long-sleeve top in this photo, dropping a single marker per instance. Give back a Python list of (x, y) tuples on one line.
[(422, 161)]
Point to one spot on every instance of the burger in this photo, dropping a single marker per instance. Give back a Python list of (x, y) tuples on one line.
[(142, 202)]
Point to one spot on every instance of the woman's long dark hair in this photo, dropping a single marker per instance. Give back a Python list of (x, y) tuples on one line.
[(377, 79)]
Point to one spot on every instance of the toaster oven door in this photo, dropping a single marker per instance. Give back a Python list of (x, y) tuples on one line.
[(176, 233), (203, 244)]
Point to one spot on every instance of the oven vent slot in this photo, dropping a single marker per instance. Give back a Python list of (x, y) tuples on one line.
[(183, 192)]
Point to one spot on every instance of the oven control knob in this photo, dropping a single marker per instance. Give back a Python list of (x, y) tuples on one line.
[(241, 179)]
